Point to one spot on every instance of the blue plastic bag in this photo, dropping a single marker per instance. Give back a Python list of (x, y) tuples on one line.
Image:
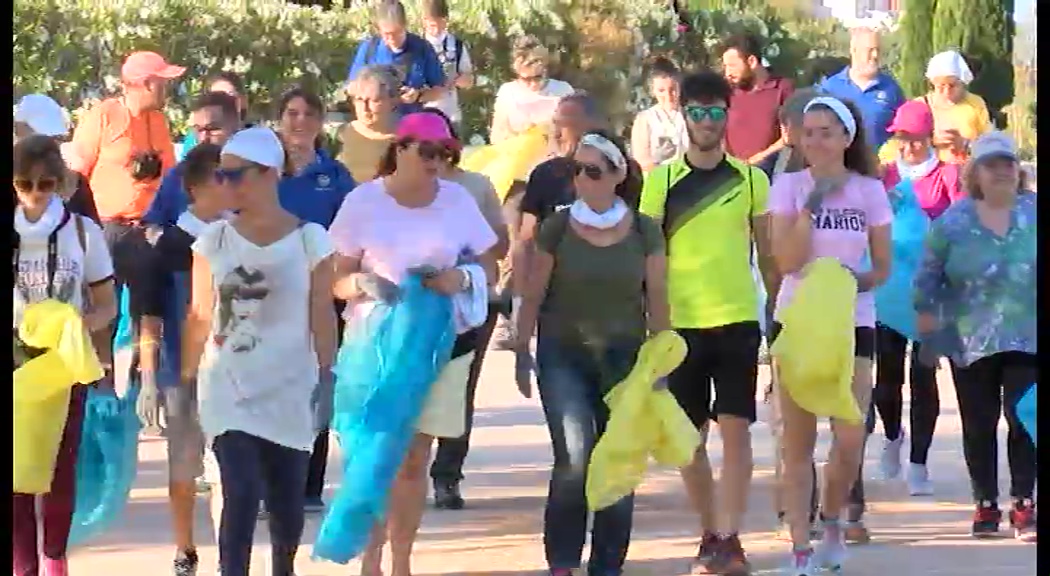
[(894, 300), (107, 462), (386, 366), (1026, 411)]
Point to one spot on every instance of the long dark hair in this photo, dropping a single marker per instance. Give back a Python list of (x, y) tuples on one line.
[(630, 190), (313, 102), (858, 156)]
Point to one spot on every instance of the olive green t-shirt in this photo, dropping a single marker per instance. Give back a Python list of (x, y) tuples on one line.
[(596, 294)]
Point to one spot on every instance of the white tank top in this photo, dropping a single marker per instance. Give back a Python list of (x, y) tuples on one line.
[(668, 135)]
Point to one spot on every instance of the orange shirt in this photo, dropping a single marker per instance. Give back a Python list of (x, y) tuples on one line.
[(105, 140)]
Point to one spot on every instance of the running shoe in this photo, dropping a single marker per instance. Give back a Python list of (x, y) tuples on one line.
[(831, 551), (802, 563), (705, 554), (919, 480), (1023, 521), (313, 506), (729, 559), (447, 496), (986, 520), (185, 564), (504, 337), (890, 461), (856, 532)]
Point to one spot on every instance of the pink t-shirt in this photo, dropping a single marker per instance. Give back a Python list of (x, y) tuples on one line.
[(390, 238), (840, 226)]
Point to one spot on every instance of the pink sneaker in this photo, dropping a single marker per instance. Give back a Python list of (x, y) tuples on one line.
[(56, 567)]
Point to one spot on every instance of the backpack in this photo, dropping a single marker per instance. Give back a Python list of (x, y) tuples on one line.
[(457, 51), (402, 63)]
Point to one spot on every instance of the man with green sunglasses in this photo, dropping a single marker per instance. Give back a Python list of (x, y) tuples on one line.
[(713, 211)]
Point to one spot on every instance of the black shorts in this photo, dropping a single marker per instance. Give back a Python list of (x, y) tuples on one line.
[(863, 340), (724, 360)]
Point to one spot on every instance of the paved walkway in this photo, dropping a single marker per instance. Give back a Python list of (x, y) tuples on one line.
[(499, 533)]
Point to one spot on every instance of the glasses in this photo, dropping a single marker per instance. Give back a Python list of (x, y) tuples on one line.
[(429, 150), (42, 185), (699, 113), (592, 171), (232, 175)]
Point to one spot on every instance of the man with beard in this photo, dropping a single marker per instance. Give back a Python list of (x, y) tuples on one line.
[(713, 210), (753, 129), (875, 92)]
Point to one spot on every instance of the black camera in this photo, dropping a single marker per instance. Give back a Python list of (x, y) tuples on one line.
[(145, 166)]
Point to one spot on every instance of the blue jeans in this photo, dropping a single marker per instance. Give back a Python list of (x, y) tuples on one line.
[(572, 379), (254, 469)]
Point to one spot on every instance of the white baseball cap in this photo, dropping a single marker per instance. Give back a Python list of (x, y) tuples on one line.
[(42, 114), (994, 144), (257, 144)]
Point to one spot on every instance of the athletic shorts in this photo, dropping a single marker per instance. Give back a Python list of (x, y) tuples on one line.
[(184, 435), (720, 372)]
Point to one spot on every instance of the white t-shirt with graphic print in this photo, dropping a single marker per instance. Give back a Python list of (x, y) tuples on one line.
[(259, 368), (75, 266)]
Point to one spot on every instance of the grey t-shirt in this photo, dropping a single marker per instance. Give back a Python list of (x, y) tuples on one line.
[(596, 294), (484, 193)]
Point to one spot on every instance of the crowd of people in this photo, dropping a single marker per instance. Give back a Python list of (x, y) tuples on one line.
[(247, 263)]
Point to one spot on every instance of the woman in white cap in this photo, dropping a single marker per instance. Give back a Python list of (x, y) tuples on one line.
[(259, 339), (976, 298), (835, 208), (39, 114), (959, 116), (589, 340), (402, 221)]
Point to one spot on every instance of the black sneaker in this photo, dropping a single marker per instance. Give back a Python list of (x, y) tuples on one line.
[(986, 520), (313, 506), (447, 496), (705, 554), (185, 564)]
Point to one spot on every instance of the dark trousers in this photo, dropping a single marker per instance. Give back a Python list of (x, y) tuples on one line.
[(855, 504), (254, 469), (57, 505), (986, 389), (572, 379), (447, 467), (888, 398)]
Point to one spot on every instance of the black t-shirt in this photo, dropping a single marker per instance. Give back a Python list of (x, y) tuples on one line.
[(550, 188), (160, 252)]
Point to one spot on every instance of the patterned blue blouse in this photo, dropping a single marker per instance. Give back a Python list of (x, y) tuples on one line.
[(981, 286)]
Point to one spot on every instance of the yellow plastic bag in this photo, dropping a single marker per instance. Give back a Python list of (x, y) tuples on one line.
[(42, 389), (814, 351), (509, 160), (642, 422)]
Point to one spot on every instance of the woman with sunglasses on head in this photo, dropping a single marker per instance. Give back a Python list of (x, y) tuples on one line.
[(588, 341), (529, 100), (375, 93), (62, 256), (410, 218), (835, 208), (259, 339), (976, 298), (447, 469)]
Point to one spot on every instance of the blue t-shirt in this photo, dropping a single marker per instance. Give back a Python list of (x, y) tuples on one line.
[(315, 195), (417, 62), (877, 103)]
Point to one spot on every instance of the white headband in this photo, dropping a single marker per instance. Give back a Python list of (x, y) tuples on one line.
[(840, 110), (607, 148)]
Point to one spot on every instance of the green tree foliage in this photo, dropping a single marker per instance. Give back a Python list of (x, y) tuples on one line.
[(983, 31), (915, 36)]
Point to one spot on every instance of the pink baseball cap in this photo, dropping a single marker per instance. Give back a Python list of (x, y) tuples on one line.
[(424, 126), (913, 117), (143, 65)]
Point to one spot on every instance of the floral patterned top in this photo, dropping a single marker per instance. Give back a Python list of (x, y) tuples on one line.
[(981, 285)]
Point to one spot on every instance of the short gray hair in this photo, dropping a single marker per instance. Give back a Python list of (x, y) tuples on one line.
[(392, 11), (792, 109), (384, 76)]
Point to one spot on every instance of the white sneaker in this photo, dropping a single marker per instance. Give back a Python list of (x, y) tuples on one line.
[(831, 550), (919, 480), (890, 463), (802, 564)]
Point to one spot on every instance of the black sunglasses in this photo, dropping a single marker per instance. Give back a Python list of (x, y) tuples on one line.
[(592, 171), (429, 150), (42, 185)]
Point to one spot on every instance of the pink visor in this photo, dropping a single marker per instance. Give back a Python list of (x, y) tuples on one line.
[(424, 126)]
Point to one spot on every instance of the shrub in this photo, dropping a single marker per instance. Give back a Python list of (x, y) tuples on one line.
[(72, 49)]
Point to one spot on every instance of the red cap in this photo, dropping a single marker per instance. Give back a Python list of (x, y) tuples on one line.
[(144, 65), (913, 117)]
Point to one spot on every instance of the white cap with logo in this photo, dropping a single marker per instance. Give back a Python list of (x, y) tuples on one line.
[(42, 114), (257, 144), (994, 144)]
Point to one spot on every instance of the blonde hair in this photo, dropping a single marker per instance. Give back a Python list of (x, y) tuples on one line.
[(968, 180), (527, 53)]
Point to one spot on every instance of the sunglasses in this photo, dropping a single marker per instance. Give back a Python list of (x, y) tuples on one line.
[(533, 79), (42, 185), (232, 175), (592, 171), (429, 150), (698, 113)]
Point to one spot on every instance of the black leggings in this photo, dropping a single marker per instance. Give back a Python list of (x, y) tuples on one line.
[(891, 349), (987, 388)]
